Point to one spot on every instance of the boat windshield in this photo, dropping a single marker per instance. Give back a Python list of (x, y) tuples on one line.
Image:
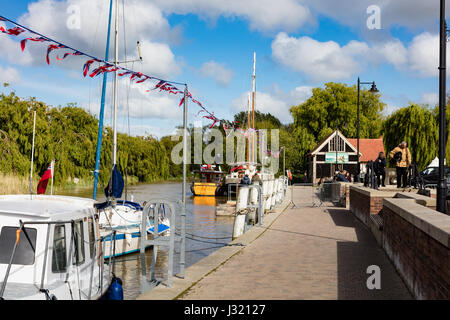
[(209, 176), (24, 254)]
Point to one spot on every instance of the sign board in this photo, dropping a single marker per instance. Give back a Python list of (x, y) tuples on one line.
[(342, 157)]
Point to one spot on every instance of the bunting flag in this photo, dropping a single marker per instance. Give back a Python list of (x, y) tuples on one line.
[(181, 102), (37, 39), (76, 53), (13, 31), (87, 66), (213, 118), (53, 47), (124, 73), (103, 69), (142, 80), (274, 154), (105, 66)]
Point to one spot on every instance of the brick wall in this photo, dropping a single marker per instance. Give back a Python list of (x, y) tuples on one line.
[(422, 261), (364, 202)]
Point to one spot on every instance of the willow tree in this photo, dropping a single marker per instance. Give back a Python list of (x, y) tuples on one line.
[(417, 125)]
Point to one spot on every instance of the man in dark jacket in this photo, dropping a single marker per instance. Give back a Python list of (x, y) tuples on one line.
[(245, 180), (380, 169)]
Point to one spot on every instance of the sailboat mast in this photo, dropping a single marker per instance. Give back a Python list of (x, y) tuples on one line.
[(102, 109), (116, 53), (253, 104), (248, 125)]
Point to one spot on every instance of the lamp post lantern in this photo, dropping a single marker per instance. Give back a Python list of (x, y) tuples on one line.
[(373, 89)]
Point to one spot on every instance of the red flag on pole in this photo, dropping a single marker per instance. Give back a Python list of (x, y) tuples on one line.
[(42, 185)]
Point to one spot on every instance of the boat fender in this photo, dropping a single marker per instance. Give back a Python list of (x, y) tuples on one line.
[(116, 289)]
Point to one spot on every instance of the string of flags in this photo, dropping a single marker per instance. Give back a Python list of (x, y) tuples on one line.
[(106, 67), (103, 66), (274, 154)]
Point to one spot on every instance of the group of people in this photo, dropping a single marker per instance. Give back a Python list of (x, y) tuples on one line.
[(246, 179), (401, 158), (343, 176)]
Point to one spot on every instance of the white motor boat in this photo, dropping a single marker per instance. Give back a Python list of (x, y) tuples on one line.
[(51, 248), (125, 218)]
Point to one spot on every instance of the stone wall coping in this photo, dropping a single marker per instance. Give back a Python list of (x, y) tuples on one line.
[(432, 222), (419, 198), (374, 193)]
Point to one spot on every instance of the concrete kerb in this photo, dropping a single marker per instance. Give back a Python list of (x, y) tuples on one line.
[(209, 264)]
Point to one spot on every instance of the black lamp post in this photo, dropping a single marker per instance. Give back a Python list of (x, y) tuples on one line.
[(373, 89), (442, 184)]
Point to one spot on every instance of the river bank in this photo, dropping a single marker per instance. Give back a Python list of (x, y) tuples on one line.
[(16, 184)]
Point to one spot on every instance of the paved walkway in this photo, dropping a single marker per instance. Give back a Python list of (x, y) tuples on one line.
[(307, 253)]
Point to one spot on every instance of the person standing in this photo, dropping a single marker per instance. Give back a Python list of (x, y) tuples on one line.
[(256, 179), (380, 169), (402, 155), (246, 180)]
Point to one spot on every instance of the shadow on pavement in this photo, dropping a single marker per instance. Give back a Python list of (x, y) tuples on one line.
[(353, 259)]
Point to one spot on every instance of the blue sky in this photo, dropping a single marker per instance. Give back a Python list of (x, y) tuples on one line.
[(299, 45)]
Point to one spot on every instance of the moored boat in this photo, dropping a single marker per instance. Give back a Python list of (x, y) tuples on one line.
[(51, 248), (207, 182)]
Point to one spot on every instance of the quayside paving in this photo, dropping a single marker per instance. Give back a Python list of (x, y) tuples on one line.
[(300, 252)]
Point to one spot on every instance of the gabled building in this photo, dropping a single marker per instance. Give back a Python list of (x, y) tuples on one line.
[(336, 152)]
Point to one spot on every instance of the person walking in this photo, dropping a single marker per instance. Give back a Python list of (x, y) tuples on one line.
[(380, 169), (402, 156)]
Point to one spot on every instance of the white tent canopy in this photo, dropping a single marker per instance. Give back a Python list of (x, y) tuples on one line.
[(435, 163)]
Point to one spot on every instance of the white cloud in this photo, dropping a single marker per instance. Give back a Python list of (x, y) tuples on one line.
[(430, 98), (393, 52), (136, 102), (217, 71), (420, 57), (321, 61), (9, 75), (424, 54), (263, 15), (276, 103), (329, 61)]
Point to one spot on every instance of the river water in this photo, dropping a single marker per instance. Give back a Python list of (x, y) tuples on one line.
[(201, 220)]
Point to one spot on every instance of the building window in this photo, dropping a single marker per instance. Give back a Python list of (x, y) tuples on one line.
[(78, 253), (24, 254), (59, 256)]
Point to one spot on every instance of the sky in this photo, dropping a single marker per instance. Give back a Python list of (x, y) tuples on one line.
[(209, 45)]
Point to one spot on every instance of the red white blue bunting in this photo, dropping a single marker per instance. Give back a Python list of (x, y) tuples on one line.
[(106, 67)]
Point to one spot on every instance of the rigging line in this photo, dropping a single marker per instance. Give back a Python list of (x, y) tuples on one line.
[(88, 55)]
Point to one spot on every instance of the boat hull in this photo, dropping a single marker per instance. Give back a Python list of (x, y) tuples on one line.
[(204, 189), (129, 241)]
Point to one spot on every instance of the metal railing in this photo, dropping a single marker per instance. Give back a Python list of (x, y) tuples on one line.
[(370, 179), (152, 211)]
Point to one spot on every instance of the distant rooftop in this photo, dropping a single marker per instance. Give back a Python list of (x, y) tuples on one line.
[(369, 148)]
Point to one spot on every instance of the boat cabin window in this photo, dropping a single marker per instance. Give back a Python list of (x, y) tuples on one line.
[(59, 260), (78, 252), (24, 254)]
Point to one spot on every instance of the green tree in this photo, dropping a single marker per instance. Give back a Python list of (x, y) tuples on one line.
[(417, 125), (335, 107)]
